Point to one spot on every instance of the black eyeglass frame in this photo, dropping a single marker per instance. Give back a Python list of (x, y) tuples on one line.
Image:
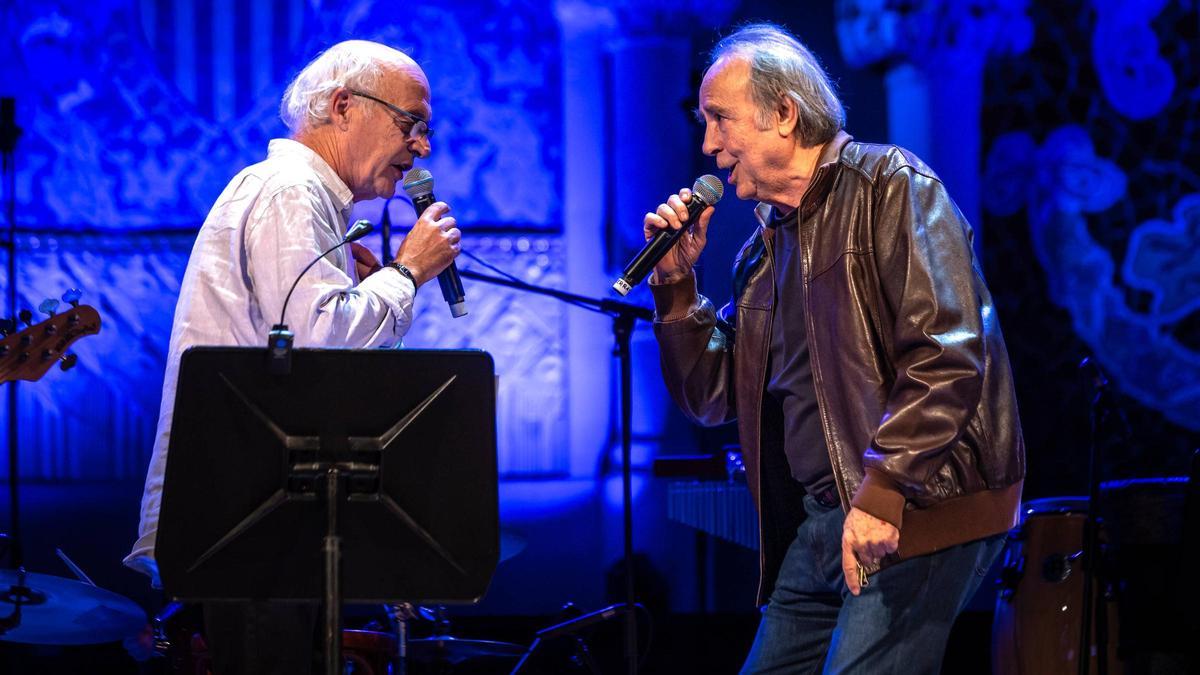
[(418, 121)]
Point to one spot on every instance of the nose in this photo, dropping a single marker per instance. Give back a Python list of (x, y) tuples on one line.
[(711, 145), (421, 147)]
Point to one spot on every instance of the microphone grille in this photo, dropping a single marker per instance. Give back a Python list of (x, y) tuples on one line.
[(709, 188), (418, 183)]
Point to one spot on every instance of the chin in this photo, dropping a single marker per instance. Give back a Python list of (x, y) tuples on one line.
[(385, 189)]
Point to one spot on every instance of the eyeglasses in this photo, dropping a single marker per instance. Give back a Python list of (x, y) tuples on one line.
[(420, 128)]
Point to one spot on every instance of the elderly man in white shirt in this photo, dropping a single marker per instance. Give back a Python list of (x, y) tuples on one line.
[(358, 115)]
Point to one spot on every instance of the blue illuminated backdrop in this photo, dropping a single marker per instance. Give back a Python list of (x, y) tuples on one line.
[(554, 135)]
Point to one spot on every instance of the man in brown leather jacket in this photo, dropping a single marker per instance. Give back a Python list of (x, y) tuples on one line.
[(863, 361)]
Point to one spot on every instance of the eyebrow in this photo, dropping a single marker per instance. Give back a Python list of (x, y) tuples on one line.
[(712, 110)]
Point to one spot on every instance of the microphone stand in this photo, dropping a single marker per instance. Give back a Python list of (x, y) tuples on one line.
[(9, 133), (624, 315), (385, 230), (1093, 573)]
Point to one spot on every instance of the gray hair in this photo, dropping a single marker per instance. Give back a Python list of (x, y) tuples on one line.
[(780, 66), (356, 64)]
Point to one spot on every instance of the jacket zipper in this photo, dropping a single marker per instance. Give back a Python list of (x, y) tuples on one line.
[(814, 363)]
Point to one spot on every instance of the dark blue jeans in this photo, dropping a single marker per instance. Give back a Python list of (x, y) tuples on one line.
[(898, 624)]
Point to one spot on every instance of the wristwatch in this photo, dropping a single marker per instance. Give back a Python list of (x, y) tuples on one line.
[(403, 270)]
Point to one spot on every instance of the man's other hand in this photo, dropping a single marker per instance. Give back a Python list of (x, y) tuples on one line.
[(865, 539), (365, 262)]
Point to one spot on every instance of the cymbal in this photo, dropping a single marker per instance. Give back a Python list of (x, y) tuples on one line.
[(60, 611), (446, 649)]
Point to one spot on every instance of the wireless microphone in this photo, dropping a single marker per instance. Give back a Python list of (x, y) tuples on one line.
[(419, 186), (706, 192)]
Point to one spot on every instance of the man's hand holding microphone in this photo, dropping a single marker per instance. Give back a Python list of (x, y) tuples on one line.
[(431, 245), (675, 235)]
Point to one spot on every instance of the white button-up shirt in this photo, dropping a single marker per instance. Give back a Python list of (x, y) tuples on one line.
[(271, 221)]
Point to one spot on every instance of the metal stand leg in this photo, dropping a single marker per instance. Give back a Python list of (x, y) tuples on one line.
[(333, 590)]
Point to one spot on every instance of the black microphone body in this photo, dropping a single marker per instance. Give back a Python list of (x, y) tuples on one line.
[(706, 192), (448, 279), (419, 186)]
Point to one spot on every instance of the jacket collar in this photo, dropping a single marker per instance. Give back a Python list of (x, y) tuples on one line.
[(821, 183)]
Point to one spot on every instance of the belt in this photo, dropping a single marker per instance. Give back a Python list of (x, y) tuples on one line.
[(827, 497)]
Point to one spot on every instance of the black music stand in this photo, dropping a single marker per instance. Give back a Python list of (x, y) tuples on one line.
[(381, 462)]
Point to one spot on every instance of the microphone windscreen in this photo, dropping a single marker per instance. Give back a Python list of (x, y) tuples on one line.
[(418, 183), (708, 187)]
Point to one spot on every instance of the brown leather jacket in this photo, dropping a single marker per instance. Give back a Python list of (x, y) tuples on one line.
[(912, 377)]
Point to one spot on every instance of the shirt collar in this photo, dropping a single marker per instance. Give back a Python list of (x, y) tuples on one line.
[(288, 148)]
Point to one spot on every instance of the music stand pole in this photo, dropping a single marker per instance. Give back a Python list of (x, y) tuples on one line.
[(624, 316)]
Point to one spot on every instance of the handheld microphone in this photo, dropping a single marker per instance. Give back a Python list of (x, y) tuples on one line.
[(419, 186), (706, 192), (279, 340)]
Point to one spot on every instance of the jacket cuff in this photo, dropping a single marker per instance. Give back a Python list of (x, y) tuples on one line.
[(676, 300), (880, 496)]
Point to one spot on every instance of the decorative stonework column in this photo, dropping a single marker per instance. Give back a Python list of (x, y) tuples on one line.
[(628, 143), (584, 28), (933, 52)]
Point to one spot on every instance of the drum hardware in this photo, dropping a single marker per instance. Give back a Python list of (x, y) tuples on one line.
[(1038, 615), (50, 610), (571, 623), (400, 614), (1056, 568), (1100, 408)]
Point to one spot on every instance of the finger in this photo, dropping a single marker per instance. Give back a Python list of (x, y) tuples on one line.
[(652, 224), (454, 235), (668, 214), (850, 568), (679, 207), (686, 195), (435, 211), (447, 224), (700, 229)]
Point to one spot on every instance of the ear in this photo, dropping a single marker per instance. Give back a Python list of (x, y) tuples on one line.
[(787, 116), (339, 107)]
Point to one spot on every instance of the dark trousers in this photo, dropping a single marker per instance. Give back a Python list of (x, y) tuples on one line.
[(899, 624), (262, 638)]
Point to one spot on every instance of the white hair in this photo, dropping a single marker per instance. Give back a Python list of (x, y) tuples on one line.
[(356, 64), (782, 67)]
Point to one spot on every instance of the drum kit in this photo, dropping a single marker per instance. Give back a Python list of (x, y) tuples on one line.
[(43, 609), (179, 642)]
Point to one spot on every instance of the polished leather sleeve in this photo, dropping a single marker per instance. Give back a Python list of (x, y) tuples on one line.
[(695, 351), (928, 281)]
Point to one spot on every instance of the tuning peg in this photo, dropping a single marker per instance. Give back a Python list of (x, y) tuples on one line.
[(71, 297), (8, 326), (68, 361), (26, 317), (48, 307)]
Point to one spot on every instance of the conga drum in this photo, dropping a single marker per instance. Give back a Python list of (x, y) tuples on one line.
[(1039, 610)]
